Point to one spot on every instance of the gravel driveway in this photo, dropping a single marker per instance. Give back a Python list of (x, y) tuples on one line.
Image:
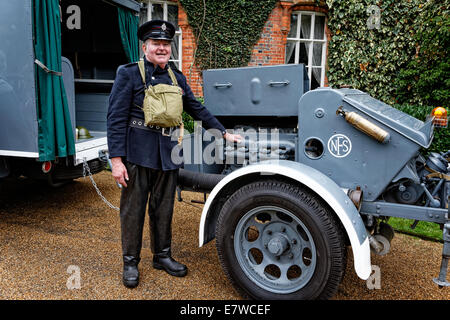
[(51, 238)]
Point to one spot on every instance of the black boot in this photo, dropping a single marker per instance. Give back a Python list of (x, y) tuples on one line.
[(163, 261), (130, 276)]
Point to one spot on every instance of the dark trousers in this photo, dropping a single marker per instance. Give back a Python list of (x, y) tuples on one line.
[(160, 186)]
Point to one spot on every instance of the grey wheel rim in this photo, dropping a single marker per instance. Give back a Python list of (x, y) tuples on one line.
[(275, 249)]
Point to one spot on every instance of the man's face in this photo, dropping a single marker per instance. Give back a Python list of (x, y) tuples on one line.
[(157, 51)]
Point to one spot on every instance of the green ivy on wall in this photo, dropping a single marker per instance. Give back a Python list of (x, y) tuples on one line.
[(226, 30), (402, 58), (369, 59), (426, 78)]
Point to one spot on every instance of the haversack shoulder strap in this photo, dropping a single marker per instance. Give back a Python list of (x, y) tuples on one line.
[(142, 71), (172, 77)]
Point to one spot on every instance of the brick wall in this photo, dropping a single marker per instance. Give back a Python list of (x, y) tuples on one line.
[(192, 72), (269, 50)]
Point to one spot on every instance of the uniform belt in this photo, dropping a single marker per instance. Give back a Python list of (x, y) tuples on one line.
[(140, 124)]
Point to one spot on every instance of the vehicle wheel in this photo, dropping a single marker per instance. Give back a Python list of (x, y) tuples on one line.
[(278, 241)]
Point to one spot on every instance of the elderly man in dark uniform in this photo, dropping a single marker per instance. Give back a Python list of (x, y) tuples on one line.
[(141, 156)]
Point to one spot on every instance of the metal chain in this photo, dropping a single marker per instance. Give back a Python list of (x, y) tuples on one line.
[(88, 171)]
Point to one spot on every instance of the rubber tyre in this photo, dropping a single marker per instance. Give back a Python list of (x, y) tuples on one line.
[(326, 233)]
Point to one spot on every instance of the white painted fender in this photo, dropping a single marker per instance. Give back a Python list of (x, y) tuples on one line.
[(323, 186)]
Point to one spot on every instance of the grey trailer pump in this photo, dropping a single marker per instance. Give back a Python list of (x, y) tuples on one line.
[(318, 170)]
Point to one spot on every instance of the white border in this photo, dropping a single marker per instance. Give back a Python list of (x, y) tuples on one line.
[(23, 154)]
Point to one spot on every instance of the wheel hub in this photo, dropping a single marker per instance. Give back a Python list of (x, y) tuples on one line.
[(278, 244)]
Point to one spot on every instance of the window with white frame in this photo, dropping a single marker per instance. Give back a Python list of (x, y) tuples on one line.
[(167, 10), (307, 43)]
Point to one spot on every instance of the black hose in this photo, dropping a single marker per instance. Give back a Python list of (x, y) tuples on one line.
[(197, 181)]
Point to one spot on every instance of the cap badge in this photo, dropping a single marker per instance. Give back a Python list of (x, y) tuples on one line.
[(164, 27)]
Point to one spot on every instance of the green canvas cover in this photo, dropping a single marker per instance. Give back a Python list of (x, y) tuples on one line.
[(129, 24), (55, 135)]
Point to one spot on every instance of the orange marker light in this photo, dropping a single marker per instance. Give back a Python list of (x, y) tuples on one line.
[(440, 117)]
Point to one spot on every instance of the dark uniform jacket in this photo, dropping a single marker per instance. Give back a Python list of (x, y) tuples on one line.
[(142, 147)]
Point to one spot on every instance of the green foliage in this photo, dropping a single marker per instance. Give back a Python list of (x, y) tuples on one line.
[(188, 121), (427, 229), (369, 59), (426, 78), (382, 61), (226, 30)]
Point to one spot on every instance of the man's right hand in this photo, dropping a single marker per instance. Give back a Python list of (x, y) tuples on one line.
[(119, 171)]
